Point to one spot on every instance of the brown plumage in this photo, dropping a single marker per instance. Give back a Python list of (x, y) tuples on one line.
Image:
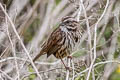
[(63, 40)]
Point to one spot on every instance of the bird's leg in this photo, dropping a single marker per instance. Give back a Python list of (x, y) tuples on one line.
[(70, 57), (67, 68)]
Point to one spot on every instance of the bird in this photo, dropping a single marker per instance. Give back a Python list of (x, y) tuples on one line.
[(63, 40)]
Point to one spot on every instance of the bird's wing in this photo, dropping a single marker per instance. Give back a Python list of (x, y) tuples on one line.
[(51, 46), (54, 42)]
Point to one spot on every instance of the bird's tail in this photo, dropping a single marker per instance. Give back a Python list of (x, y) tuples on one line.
[(38, 55)]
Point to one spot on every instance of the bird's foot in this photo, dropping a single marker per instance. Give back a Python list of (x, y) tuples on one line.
[(69, 57)]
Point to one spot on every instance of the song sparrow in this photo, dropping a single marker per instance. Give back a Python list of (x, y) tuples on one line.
[(63, 40)]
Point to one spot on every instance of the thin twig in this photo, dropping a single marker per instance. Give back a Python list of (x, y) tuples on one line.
[(6, 75), (73, 68), (96, 64), (95, 36), (13, 26), (13, 49), (68, 71), (89, 33)]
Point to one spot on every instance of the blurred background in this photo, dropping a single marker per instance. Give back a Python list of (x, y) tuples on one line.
[(34, 20)]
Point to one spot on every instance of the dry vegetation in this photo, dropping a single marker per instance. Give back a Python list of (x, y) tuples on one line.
[(26, 24)]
